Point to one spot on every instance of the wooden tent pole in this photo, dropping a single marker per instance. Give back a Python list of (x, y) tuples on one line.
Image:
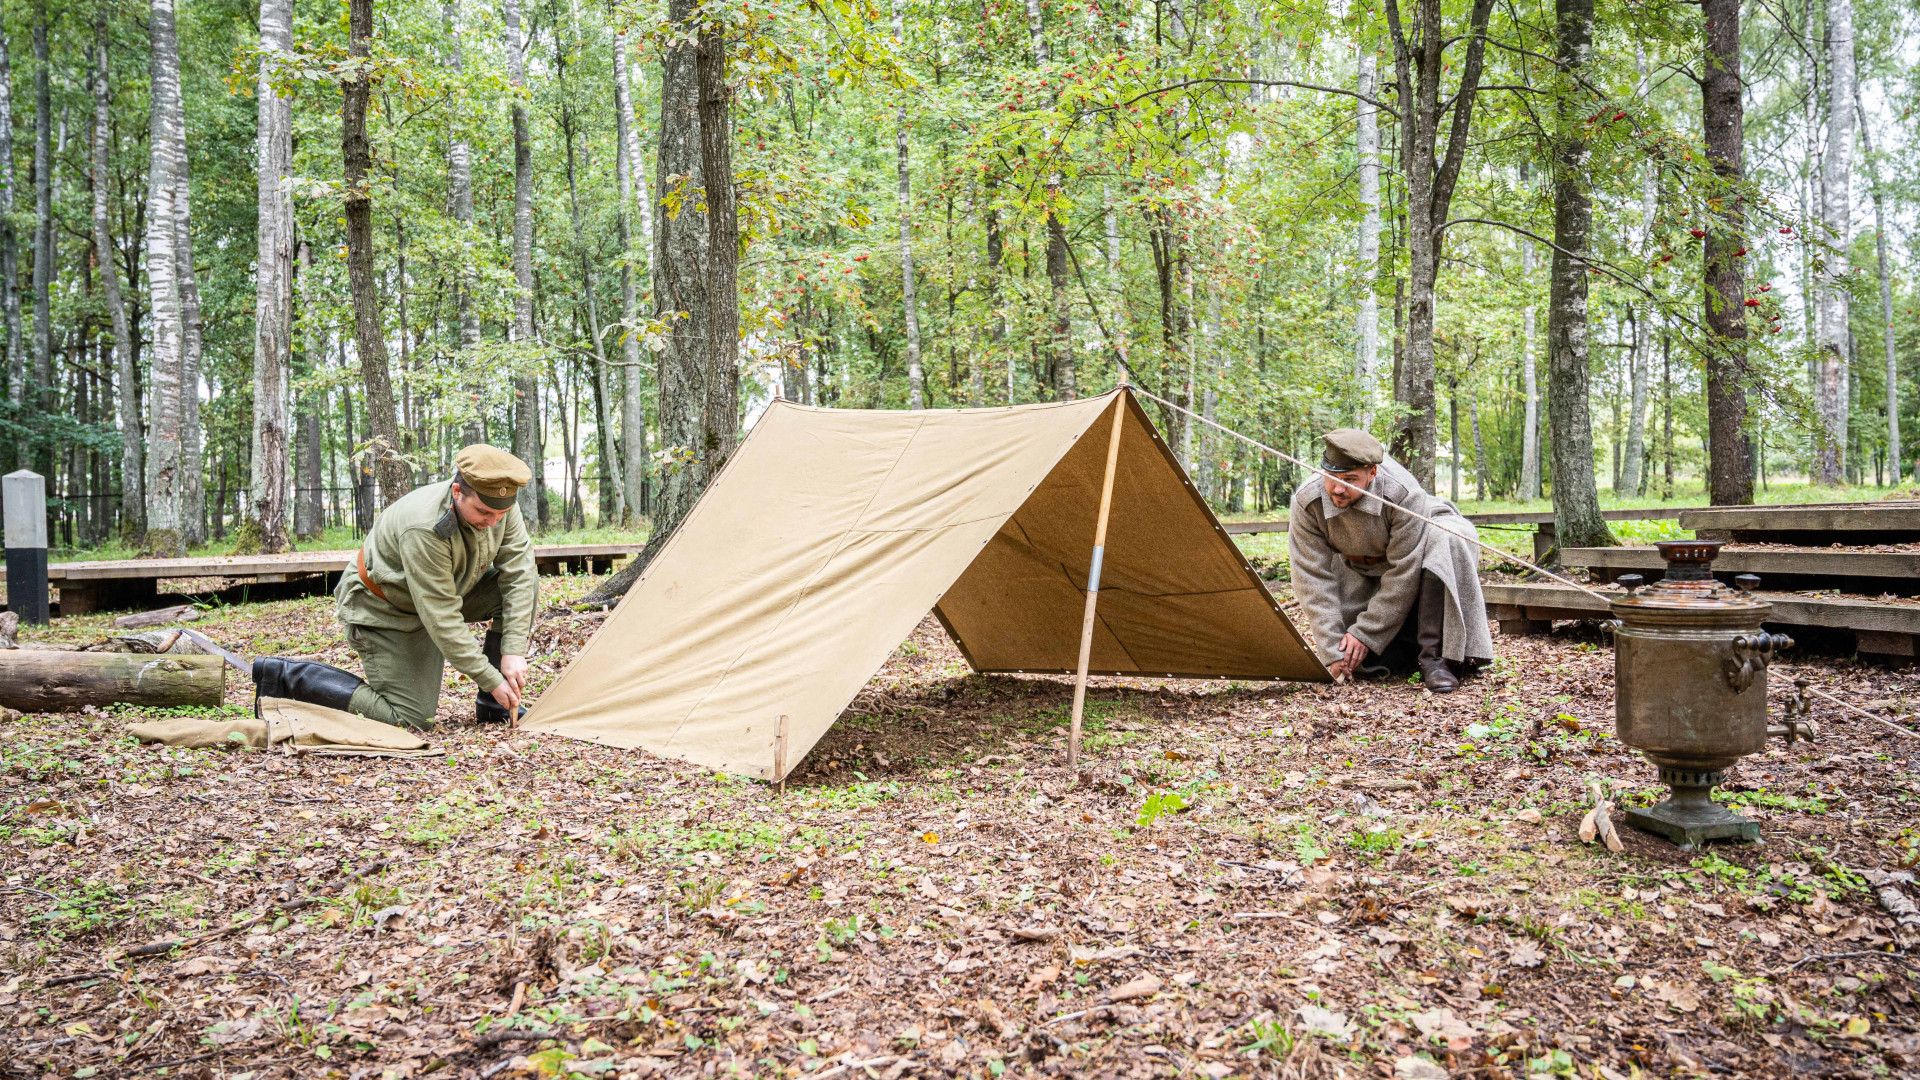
[(1093, 582), (780, 754)]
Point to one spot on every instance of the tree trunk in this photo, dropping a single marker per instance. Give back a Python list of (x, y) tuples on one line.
[(1836, 214), (1060, 333), (633, 417), (526, 387), (273, 288), (1481, 482), (1420, 70), (1576, 498), (132, 445), (1895, 462), (460, 208), (916, 373), (43, 235), (164, 482), (1634, 478), (10, 263), (612, 496), (696, 262), (193, 438), (1367, 360), (1729, 448)]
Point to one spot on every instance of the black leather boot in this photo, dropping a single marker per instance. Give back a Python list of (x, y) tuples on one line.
[(303, 680), (1432, 627), (485, 709)]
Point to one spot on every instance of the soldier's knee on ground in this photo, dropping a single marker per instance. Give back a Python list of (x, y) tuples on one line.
[(370, 703)]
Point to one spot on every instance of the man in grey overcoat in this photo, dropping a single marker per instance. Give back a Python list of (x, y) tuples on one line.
[(1385, 592)]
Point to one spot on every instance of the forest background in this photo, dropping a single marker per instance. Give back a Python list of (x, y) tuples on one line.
[(266, 266)]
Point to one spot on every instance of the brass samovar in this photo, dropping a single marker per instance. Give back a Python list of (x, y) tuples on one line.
[(1690, 673)]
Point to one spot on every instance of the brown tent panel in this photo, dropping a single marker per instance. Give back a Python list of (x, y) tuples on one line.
[(832, 532)]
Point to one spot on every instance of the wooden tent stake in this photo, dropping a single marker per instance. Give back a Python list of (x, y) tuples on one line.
[(780, 754), (1093, 583)]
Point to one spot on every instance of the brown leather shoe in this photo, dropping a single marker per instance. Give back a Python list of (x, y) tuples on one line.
[(1439, 676)]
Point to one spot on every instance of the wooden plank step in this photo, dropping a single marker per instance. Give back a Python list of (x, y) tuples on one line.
[(1886, 517), (298, 562), (1544, 602), (1807, 561), (1657, 513)]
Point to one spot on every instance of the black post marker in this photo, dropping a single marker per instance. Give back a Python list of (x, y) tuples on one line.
[(23, 503)]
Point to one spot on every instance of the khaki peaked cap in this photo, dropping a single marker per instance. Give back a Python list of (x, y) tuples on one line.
[(491, 473), (1351, 448)]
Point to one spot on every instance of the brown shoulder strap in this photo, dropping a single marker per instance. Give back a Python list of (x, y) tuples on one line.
[(360, 563)]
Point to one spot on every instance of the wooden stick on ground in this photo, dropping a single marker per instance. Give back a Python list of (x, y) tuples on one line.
[(1093, 582), (33, 681)]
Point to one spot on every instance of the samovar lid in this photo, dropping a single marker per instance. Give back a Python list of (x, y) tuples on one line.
[(1689, 585)]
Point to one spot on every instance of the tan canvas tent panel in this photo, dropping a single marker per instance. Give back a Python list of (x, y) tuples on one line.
[(831, 534)]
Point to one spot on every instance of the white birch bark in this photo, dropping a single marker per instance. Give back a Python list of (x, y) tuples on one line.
[(10, 251), (1836, 213), (164, 481), (916, 374), (1366, 361), (1530, 383), (460, 208), (526, 435), (273, 283), (633, 417), (1895, 463), (1640, 363)]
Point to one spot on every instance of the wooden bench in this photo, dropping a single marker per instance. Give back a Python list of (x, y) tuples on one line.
[(119, 584), (1544, 534), (1812, 525), (1880, 629)]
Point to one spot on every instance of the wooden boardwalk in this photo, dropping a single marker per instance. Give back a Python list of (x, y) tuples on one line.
[(113, 584), (1544, 534), (1847, 571)]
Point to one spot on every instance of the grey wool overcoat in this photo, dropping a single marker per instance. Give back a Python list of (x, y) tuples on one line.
[(1357, 571)]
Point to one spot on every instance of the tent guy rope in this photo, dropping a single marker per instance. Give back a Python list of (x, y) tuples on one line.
[(1282, 454)]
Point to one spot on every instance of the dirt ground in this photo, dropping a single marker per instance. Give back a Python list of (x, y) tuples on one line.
[(1244, 880)]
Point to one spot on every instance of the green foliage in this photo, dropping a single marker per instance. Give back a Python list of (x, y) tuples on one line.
[(1158, 805)]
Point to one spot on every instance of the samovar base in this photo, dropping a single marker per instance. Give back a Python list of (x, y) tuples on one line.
[(1689, 817)]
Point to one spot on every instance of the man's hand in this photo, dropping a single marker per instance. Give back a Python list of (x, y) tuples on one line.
[(1340, 670), (513, 681), (514, 670), (1353, 651)]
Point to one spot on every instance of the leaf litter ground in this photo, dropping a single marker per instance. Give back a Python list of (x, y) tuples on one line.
[(1243, 880)]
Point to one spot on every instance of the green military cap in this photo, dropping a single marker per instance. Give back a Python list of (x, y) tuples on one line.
[(1349, 449), (491, 473)]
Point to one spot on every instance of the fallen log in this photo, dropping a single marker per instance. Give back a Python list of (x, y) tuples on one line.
[(33, 681), (178, 613)]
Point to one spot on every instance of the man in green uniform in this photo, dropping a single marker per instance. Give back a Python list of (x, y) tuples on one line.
[(442, 556)]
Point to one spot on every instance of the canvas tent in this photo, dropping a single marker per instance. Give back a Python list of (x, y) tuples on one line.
[(832, 532)]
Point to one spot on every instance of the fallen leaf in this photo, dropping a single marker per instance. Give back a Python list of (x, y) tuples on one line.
[(1531, 817), (1418, 1068), (1145, 986), (1326, 1022), (1681, 997), (1527, 955)]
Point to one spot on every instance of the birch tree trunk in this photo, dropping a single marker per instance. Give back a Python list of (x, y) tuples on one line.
[(1576, 498), (164, 482), (916, 373), (1894, 457), (526, 387), (132, 444), (43, 240), (10, 261), (193, 488), (1530, 385), (1729, 447), (1367, 139), (1633, 478), (1836, 214), (309, 508), (612, 494), (633, 417), (273, 283), (460, 208), (370, 339)]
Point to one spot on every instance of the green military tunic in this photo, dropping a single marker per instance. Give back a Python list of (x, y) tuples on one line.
[(438, 574)]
